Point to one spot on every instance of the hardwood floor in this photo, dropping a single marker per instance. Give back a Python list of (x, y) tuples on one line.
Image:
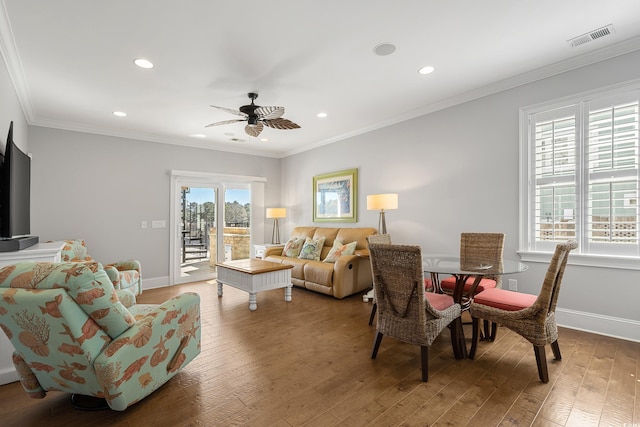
[(307, 363)]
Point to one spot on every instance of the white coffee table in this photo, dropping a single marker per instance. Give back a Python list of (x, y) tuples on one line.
[(254, 275)]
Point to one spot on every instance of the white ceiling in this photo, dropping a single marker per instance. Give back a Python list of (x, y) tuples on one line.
[(72, 61)]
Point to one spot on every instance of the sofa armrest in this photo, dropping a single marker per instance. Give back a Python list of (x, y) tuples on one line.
[(154, 349), (272, 250), (351, 274)]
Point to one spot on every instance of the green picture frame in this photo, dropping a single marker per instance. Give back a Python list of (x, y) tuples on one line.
[(335, 196)]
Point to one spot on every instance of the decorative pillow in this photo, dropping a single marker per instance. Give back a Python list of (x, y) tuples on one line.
[(293, 247), (311, 249), (339, 249)]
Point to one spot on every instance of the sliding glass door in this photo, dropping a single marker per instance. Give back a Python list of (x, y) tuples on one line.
[(212, 219)]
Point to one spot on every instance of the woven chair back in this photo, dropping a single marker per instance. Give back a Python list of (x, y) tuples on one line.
[(398, 283), (483, 248), (548, 297), (379, 239)]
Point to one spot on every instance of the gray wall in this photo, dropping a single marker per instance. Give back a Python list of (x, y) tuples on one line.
[(100, 188), (457, 170)]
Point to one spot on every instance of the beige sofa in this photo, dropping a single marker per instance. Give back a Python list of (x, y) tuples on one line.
[(348, 275)]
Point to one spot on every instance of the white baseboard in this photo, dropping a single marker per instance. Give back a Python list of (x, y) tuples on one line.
[(615, 327), (8, 375), (155, 282)]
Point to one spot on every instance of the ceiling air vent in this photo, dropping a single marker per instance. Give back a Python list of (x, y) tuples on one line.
[(592, 35)]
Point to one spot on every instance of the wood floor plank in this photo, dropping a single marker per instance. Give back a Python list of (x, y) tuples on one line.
[(307, 363), (619, 404), (591, 396)]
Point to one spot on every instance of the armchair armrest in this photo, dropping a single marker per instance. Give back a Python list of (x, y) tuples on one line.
[(129, 270), (152, 351), (130, 264)]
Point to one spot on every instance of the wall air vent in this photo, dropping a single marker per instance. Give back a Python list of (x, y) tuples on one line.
[(592, 35)]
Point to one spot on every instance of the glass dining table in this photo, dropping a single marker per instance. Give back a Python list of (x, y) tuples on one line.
[(463, 269)]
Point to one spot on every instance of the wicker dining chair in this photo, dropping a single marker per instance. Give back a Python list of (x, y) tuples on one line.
[(531, 316), (405, 311), (380, 239), (486, 248)]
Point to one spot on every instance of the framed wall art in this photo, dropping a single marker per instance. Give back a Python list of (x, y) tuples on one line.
[(335, 196)]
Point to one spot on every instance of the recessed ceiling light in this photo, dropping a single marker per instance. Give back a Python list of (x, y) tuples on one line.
[(143, 63), (198, 135), (384, 49), (426, 70), (120, 114), (322, 115), (264, 139)]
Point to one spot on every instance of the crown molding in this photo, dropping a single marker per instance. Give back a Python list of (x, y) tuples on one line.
[(11, 58)]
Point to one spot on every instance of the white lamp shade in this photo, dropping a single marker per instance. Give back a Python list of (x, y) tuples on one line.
[(276, 212), (376, 202)]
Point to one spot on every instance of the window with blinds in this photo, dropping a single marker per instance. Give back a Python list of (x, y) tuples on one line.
[(582, 174)]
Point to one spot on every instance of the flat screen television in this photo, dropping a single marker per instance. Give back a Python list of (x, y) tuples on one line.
[(15, 197)]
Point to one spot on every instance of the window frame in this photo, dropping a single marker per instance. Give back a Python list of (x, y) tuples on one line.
[(528, 248)]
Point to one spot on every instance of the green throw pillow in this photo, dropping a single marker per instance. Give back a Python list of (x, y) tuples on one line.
[(312, 249)]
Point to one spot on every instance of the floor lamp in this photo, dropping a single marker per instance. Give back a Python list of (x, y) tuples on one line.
[(381, 202), (276, 213)]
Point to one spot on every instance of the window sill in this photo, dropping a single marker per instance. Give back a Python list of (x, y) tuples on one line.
[(602, 261)]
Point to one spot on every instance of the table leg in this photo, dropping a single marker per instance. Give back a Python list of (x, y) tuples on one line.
[(219, 289), (287, 293), (253, 301)]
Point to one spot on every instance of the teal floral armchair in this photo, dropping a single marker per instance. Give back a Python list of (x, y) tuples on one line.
[(123, 274), (73, 333)]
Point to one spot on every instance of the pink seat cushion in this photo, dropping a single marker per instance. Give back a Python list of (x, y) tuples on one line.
[(504, 299), (439, 301), (428, 285), (449, 284)]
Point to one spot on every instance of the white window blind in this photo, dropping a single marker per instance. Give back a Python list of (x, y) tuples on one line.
[(581, 174)]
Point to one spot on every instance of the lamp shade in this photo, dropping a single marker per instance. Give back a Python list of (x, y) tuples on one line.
[(276, 212), (376, 202)]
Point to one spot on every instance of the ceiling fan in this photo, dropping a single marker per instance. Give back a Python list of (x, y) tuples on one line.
[(257, 117)]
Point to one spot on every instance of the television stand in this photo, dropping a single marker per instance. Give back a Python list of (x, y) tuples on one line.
[(15, 244)]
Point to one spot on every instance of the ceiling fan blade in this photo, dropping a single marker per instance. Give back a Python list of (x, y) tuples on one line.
[(281, 124), (254, 130), (225, 122), (269, 112), (230, 110)]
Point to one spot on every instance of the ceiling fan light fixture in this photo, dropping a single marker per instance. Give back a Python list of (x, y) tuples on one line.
[(257, 117)]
